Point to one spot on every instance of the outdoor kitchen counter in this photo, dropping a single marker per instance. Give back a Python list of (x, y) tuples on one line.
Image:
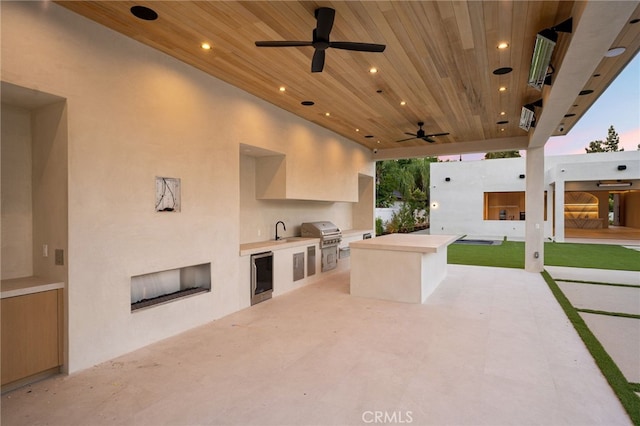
[(289, 242), (28, 285), (399, 267)]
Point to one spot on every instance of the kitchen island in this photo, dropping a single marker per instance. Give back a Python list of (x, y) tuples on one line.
[(399, 267)]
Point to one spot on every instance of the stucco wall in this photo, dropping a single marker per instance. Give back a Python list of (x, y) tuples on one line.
[(134, 114), (457, 205), (258, 217), (17, 206)]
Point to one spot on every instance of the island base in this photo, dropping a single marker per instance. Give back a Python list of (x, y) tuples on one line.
[(395, 275)]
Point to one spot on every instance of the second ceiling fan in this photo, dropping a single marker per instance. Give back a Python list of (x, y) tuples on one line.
[(422, 135), (321, 42)]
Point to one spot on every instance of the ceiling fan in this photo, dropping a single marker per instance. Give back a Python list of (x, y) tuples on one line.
[(320, 40), (421, 135)]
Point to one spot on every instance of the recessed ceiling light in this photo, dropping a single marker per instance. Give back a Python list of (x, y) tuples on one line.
[(503, 113), (503, 45), (502, 129), (403, 103), (142, 12), (615, 51), (327, 114), (502, 89), (282, 89), (373, 70), (307, 103), (502, 71), (378, 141), (585, 92), (357, 130), (206, 46)]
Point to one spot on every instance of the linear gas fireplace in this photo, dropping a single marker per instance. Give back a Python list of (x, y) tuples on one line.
[(166, 286)]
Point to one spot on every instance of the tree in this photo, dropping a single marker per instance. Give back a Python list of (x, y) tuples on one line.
[(403, 177), (502, 154), (609, 145), (408, 180)]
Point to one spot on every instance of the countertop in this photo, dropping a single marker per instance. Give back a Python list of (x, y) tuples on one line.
[(407, 242), (27, 285), (287, 242)]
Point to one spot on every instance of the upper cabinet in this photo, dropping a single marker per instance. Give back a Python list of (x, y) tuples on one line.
[(303, 175)]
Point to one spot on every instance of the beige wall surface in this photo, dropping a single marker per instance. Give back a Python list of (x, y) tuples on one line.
[(50, 207), (258, 217), (133, 114), (17, 210)]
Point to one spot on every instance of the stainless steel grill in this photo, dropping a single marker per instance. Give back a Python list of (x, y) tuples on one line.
[(329, 234), (330, 237)]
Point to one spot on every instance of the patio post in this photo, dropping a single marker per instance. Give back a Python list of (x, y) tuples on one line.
[(534, 226)]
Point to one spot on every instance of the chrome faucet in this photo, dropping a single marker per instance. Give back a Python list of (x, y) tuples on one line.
[(283, 227)]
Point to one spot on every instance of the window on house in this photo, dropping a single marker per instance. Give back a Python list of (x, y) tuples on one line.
[(507, 206)]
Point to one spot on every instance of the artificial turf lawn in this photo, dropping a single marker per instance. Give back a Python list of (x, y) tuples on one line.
[(510, 254)]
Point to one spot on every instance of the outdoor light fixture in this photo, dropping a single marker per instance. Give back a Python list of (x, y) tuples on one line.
[(521, 176), (622, 167), (613, 185), (527, 116), (447, 179), (542, 51)]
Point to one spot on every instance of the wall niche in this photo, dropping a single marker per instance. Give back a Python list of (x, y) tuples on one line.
[(162, 287)]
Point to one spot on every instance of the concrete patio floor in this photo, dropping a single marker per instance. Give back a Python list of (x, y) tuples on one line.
[(490, 346), (620, 336)]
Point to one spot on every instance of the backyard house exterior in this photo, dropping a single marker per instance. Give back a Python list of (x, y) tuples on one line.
[(486, 198)]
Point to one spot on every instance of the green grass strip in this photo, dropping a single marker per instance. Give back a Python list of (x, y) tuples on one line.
[(611, 314), (595, 256), (610, 370), (598, 283), (510, 254), (635, 387)]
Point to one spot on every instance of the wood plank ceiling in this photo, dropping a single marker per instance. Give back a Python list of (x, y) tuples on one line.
[(439, 60)]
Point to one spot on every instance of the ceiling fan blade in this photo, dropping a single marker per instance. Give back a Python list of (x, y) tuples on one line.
[(436, 134), (317, 64), (428, 139), (283, 43), (324, 16), (407, 139), (360, 47), (411, 134)]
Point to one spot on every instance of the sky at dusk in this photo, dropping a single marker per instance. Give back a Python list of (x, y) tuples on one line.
[(619, 106)]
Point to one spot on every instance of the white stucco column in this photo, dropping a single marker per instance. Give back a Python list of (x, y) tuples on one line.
[(558, 200), (534, 226)]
